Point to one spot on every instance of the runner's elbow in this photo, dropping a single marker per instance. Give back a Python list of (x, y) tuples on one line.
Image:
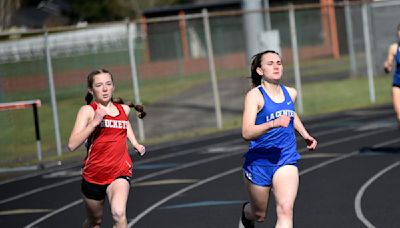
[(246, 136), (71, 146)]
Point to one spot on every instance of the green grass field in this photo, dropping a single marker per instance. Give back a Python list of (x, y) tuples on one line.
[(17, 140), (17, 137)]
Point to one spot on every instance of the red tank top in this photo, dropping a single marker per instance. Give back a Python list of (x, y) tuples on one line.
[(107, 156)]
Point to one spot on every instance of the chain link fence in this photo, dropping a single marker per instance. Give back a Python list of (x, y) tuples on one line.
[(171, 62)]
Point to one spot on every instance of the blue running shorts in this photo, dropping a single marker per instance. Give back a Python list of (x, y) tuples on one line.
[(396, 80), (261, 175)]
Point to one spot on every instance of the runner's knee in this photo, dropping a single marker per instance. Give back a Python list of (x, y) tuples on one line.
[(118, 214), (284, 210)]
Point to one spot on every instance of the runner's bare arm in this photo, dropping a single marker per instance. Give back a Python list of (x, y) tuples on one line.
[(252, 105), (389, 59), (86, 121), (131, 135)]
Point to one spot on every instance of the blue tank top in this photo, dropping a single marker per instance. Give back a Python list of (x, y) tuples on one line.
[(278, 145), (398, 59)]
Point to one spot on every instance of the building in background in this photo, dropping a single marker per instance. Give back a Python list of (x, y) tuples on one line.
[(229, 33)]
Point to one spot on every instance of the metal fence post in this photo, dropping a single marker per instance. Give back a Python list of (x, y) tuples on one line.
[(132, 60), (52, 92), (211, 65), (267, 15), (368, 54), (253, 26), (295, 53), (350, 37)]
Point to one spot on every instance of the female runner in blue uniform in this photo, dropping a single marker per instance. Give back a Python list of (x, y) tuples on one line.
[(269, 121), (394, 54)]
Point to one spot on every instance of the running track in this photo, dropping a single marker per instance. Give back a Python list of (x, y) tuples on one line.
[(351, 180)]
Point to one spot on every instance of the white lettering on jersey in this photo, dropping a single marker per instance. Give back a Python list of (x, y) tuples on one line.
[(119, 124), (279, 113)]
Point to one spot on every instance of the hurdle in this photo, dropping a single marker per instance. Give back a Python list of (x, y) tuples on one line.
[(36, 103)]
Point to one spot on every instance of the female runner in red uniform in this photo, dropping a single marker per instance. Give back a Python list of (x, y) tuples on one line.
[(104, 127)]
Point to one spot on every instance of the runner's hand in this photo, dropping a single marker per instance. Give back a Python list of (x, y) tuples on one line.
[(98, 116), (282, 121), (387, 67), (140, 149), (311, 143), (387, 70)]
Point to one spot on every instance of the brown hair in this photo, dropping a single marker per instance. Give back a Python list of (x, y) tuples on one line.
[(139, 108), (89, 97), (255, 63)]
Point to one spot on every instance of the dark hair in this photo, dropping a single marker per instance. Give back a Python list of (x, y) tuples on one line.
[(255, 63), (89, 97), (139, 108)]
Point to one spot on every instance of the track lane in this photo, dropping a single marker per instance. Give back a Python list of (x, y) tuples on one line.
[(348, 125)]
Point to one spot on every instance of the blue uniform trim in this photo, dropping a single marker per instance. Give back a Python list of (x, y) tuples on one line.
[(396, 76)]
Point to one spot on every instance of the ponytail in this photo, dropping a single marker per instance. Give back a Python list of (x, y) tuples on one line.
[(88, 98), (139, 108)]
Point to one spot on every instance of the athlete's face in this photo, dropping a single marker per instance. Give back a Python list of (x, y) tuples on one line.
[(102, 88), (271, 67)]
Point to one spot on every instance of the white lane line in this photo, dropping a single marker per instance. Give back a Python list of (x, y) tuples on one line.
[(370, 112), (69, 166), (221, 156), (327, 162), (360, 193), (177, 193), (330, 131), (183, 190), (190, 187), (180, 153), (36, 190), (67, 206), (57, 184), (166, 182), (322, 164), (36, 174), (151, 175), (19, 169), (41, 219), (225, 149), (24, 211), (319, 155), (190, 164), (162, 157), (344, 139), (377, 125)]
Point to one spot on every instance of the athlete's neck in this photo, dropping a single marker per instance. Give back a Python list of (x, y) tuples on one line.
[(105, 104), (272, 87)]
